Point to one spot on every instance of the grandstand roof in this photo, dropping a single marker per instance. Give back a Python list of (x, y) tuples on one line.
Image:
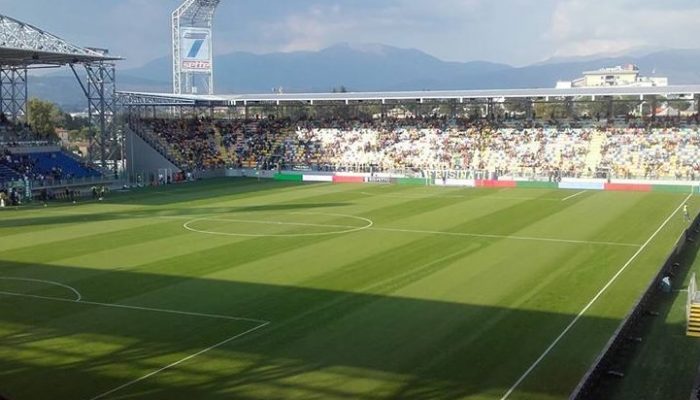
[(22, 44), (139, 98)]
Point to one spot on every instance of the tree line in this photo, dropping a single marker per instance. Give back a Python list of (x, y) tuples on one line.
[(46, 117)]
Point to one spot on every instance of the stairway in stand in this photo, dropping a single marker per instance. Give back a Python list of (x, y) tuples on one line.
[(224, 153), (693, 328), (595, 151)]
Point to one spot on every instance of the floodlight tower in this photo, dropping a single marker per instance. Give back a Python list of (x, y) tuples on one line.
[(193, 57)]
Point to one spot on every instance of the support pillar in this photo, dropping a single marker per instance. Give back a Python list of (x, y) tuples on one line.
[(529, 109), (13, 93), (569, 105), (99, 88)]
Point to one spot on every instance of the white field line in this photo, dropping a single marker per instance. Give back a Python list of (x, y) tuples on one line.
[(260, 324), (457, 196), (346, 228), (263, 222), (507, 237), (138, 308), (352, 229), (176, 363), (590, 303), (573, 195), (78, 296)]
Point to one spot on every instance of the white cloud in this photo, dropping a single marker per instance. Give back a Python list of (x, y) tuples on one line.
[(313, 29), (392, 22), (511, 31), (586, 27)]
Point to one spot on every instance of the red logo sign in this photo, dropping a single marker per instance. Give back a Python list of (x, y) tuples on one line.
[(198, 65)]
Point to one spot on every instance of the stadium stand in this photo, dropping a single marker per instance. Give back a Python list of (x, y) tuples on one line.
[(44, 168), (7, 173), (24, 156), (207, 144), (668, 150)]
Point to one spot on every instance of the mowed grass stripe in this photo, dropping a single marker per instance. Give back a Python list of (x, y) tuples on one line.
[(96, 242), (237, 252), (189, 252), (82, 230), (270, 273), (614, 298), (392, 285), (110, 259), (269, 268), (480, 216), (380, 314), (609, 325)]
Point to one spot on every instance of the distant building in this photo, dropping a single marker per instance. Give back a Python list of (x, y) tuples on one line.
[(82, 114), (625, 75)]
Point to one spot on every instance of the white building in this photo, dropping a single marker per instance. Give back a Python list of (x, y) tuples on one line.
[(625, 75)]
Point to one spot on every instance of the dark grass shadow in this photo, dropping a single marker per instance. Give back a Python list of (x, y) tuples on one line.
[(664, 364), (428, 349), (194, 191), (172, 194), (74, 214), (78, 217), (171, 201)]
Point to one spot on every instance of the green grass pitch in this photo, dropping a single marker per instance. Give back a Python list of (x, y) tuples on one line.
[(240, 289)]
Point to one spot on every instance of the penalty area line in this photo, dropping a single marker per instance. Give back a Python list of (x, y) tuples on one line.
[(260, 324), (590, 303), (573, 195), (182, 360), (136, 308)]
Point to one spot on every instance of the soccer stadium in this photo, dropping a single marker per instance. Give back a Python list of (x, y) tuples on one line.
[(452, 244)]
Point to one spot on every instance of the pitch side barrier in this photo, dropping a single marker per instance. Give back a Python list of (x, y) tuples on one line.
[(618, 185), (695, 394), (617, 351)]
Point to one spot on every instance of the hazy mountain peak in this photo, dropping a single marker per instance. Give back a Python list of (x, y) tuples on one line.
[(373, 67), (633, 52), (372, 48)]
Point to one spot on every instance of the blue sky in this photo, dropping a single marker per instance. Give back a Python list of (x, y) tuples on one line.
[(516, 32)]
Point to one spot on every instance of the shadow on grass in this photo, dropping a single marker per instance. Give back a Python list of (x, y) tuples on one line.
[(321, 343), (78, 217), (664, 365), (203, 190)]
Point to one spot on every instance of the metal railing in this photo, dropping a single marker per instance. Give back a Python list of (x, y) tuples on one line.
[(523, 173), (692, 290)]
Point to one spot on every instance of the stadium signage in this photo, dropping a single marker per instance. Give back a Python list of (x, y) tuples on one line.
[(196, 65), (379, 179), (196, 49)]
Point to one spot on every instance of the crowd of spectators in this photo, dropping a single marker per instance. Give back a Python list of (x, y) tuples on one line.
[(205, 144), (27, 167), (43, 168), (660, 148), (14, 135), (659, 153), (25, 157)]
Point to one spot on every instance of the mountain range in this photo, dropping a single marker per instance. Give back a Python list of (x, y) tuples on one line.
[(372, 67)]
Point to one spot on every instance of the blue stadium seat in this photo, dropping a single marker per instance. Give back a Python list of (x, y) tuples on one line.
[(51, 165)]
